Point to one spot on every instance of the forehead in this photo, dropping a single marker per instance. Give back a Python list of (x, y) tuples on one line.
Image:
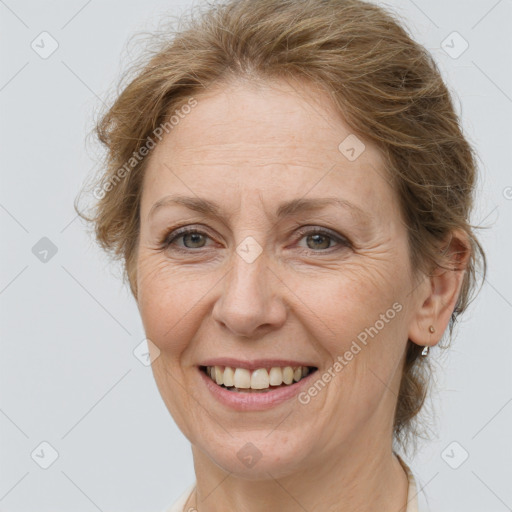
[(280, 138), (282, 116)]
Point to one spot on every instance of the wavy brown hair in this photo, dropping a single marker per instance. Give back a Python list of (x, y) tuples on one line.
[(385, 86)]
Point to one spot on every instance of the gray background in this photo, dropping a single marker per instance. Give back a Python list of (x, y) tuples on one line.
[(68, 327)]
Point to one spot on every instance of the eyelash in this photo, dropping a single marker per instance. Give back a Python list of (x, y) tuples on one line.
[(180, 232)]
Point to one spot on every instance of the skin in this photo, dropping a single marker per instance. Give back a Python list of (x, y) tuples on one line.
[(248, 147)]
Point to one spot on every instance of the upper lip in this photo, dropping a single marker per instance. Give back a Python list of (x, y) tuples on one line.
[(253, 364)]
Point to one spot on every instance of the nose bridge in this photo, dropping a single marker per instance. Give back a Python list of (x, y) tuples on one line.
[(247, 277), (249, 299)]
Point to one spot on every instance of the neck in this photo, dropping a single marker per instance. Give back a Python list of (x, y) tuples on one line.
[(347, 482)]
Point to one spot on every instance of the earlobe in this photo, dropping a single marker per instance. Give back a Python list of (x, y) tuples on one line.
[(438, 296)]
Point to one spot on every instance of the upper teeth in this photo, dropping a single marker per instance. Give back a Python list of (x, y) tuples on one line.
[(258, 379)]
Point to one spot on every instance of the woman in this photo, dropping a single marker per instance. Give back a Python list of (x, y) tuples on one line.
[(289, 189)]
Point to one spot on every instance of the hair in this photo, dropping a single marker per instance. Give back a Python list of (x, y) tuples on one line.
[(386, 87)]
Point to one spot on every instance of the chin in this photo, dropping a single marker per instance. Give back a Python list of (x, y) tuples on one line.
[(257, 455)]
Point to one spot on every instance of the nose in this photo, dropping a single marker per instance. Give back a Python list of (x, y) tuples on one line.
[(250, 304)]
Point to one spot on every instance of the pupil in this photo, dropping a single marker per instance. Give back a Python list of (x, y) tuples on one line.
[(316, 237), (196, 237)]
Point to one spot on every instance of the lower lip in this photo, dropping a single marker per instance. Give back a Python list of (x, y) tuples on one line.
[(241, 401)]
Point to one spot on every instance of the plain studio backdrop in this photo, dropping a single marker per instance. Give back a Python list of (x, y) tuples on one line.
[(82, 424)]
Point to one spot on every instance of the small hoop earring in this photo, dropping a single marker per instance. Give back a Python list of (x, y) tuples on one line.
[(424, 352)]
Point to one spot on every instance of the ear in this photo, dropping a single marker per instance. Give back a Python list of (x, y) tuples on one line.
[(437, 298)]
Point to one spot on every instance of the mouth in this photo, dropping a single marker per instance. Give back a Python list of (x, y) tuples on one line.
[(259, 380)]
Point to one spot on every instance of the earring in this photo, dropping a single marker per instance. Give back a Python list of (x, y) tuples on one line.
[(424, 352)]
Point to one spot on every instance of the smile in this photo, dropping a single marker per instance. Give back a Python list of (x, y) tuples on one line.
[(260, 380)]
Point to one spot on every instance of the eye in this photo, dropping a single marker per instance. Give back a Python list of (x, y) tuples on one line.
[(320, 239), (192, 239), (317, 240)]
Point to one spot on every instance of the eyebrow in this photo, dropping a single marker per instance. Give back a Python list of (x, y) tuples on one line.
[(285, 209)]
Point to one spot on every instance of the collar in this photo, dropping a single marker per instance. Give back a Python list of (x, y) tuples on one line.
[(412, 493)]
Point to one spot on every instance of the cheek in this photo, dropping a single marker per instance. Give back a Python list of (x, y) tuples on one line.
[(355, 316), (342, 303), (358, 325), (170, 301)]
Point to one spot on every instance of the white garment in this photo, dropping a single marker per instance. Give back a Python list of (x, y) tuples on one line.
[(180, 503), (416, 500)]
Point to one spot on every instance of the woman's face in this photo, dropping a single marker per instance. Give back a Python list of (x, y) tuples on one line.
[(265, 282)]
